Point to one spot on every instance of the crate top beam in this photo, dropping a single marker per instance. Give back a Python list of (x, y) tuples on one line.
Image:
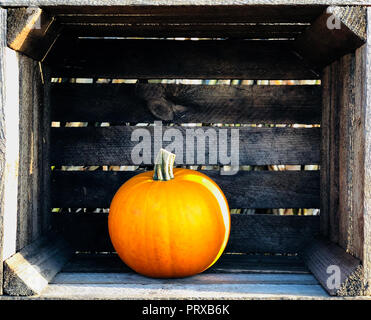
[(177, 2), (34, 30)]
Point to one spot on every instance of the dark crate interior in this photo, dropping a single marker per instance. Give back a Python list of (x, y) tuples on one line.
[(110, 71)]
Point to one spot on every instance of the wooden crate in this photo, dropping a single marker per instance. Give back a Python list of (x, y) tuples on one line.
[(300, 96)]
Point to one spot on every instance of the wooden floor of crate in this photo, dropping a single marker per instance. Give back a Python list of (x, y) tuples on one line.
[(234, 276)]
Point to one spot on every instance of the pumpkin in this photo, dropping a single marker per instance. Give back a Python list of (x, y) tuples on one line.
[(169, 223)]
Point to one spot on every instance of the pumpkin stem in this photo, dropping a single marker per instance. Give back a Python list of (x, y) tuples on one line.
[(164, 165)]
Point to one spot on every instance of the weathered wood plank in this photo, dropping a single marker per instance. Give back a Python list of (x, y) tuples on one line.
[(31, 31), (202, 279), (45, 149), (11, 109), (349, 137), (187, 291), (246, 189), (186, 14), (271, 233), (332, 85), (171, 30), (152, 59), (325, 154), (165, 3), (186, 103), (366, 102), (3, 15), (30, 196), (113, 145), (336, 74), (354, 222), (29, 271), (337, 271), (227, 263), (249, 233), (23, 217), (338, 31)]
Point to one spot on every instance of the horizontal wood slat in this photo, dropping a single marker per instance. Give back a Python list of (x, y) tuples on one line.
[(227, 263), (249, 233), (186, 30), (113, 145), (186, 103), (188, 13), (247, 189), (152, 59), (201, 279)]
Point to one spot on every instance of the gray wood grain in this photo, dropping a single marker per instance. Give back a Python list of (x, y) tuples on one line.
[(176, 30), (366, 100), (332, 87), (45, 141), (320, 255), (186, 291), (3, 15), (227, 263), (31, 31), (186, 103), (249, 233), (350, 166), (201, 279), (176, 2), (212, 13), (29, 271), (246, 189), (153, 59), (320, 45), (113, 145), (325, 152), (29, 220)]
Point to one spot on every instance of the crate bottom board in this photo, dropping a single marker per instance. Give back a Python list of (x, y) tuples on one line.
[(234, 276)]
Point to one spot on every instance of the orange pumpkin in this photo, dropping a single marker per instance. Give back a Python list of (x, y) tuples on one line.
[(169, 224)]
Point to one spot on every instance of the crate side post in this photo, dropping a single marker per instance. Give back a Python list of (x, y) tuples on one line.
[(367, 166), (345, 170), (2, 137), (355, 156)]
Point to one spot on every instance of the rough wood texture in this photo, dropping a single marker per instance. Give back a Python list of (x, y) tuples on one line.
[(175, 30), (247, 189), (325, 152), (113, 145), (153, 59), (29, 271), (351, 161), (46, 140), (320, 45), (212, 13), (330, 151), (227, 263), (31, 31), (175, 2), (2, 137), (187, 291), (30, 196), (202, 279), (345, 154), (186, 21), (366, 102), (319, 255), (186, 103), (249, 233)]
